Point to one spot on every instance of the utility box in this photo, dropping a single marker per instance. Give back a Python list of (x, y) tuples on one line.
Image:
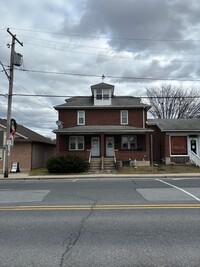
[(17, 59)]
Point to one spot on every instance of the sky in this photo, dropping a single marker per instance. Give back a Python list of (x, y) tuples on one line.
[(69, 44)]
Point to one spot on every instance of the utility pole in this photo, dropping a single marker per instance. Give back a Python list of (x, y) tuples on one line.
[(10, 93)]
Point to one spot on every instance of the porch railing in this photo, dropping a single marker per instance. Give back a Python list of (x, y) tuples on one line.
[(115, 160), (195, 158), (102, 163), (90, 155)]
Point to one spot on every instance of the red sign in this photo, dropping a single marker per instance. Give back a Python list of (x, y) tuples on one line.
[(179, 145)]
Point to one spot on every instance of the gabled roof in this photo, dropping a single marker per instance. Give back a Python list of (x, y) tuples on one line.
[(176, 125), (24, 134), (87, 102)]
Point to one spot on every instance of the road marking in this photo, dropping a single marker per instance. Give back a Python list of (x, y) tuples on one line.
[(101, 207), (176, 187)]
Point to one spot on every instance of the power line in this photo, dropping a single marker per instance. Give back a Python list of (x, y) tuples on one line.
[(109, 76), (66, 96), (109, 37), (102, 48), (30, 94), (110, 56)]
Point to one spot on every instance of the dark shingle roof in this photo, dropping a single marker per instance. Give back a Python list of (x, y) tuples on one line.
[(90, 129), (88, 102), (176, 125), (27, 135)]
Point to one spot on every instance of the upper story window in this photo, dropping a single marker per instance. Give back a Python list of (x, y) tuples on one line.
[(81, 117), (102, 94), (124, 116)]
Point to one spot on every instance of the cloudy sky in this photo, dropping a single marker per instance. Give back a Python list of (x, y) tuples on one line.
[(69, 44)]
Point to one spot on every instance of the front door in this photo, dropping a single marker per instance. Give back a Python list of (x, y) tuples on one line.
[(110, 146), (193, 145), (95, 151)]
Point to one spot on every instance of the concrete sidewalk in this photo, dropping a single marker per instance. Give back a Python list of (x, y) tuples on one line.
[(25, 176)]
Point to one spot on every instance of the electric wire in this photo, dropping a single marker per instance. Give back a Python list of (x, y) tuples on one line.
[(108, 76), (109, 37), (103, 48), (115, 57), (30, 94)]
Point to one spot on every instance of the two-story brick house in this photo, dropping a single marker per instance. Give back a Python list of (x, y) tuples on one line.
[(104, 125)]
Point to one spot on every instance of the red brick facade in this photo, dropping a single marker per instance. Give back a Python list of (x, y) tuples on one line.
[(130, 141)]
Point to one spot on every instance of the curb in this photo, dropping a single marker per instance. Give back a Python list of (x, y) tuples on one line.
[(25, 176)]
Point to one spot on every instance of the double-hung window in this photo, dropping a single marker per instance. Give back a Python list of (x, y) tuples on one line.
[(76, 143), (129, 142), (124, 116), (102, 94), (81, 117)]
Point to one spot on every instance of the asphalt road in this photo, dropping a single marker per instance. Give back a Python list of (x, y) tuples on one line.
[(100, 222)]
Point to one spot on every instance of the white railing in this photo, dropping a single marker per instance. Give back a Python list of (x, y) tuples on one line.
[(102, 163), (90, 155), (195, 158), (115, 160)]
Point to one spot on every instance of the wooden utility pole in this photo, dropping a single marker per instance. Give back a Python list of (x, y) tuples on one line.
[(10, 93)]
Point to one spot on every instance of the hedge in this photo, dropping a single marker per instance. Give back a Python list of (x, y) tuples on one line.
[(66, 164)]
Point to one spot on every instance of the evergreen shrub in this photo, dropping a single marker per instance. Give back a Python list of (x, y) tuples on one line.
[(66, 164)]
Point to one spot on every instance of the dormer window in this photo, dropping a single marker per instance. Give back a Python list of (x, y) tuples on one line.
[(102, 94)]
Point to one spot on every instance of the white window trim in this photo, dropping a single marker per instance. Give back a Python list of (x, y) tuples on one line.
[(76, 143), (124, 123), (78, 117)]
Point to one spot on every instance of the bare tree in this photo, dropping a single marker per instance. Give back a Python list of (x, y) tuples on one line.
[(172, 102)]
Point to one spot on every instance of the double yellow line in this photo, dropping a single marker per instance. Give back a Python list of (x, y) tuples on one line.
[(102, 207)]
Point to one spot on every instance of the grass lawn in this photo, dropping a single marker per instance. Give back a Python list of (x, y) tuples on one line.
[(161, 169)]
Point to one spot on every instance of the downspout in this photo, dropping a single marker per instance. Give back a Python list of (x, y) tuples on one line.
[(143, 118)]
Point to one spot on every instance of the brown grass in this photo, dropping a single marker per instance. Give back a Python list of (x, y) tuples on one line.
[(161, 169)]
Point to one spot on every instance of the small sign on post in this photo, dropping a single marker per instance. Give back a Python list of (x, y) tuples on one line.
[(15, 167)]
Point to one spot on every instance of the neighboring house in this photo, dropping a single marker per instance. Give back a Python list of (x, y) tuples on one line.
[(30, 149), (104, 126), (175, 140)]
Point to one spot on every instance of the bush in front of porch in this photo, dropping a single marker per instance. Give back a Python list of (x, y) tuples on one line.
[(66, 164)]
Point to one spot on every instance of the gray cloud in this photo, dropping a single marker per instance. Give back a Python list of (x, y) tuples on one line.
[(116, 38)]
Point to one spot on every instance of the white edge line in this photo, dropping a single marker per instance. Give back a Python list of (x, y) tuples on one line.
[(179, 189)]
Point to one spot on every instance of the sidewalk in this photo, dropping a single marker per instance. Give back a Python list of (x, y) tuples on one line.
[(25, 176)]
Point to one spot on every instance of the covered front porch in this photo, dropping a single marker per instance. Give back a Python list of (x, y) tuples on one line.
[(126, 145)]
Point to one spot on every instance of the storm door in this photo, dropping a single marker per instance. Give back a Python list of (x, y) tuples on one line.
[(95, 147)]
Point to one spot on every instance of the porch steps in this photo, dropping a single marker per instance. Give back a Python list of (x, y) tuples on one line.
[(109, 165), (95, 165)]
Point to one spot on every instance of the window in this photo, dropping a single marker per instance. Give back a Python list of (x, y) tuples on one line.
[(129, 142), (81, 117), (105, 94), (99, 94), (124, 116), (76, 143), (102, 94), (178, 145)]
